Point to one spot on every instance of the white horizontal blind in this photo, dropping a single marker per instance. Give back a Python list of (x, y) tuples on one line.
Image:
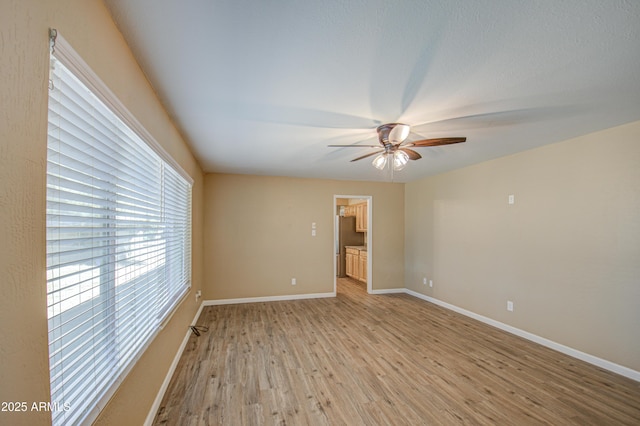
[(118, 245)]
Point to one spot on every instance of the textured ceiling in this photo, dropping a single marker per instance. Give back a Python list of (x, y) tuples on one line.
[(262, 87)]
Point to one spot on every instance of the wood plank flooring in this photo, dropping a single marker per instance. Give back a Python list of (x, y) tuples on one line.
[(361, 359)]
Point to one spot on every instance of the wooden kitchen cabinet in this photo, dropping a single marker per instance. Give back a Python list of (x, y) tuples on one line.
[(352, 257), (361, 214), (350, 210), (362, 266), (356, 264), (361, 217)]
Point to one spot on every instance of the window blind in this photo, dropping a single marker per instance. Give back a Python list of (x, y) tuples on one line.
[(118, 242)]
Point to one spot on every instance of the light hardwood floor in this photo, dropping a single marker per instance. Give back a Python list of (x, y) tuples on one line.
[(361, 359)]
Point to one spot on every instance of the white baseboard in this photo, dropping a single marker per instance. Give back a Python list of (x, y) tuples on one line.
[(156, 403), (598, 362), (388, 291), (267, 299)]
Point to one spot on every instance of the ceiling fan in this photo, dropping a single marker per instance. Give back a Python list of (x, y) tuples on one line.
[(395, 150)]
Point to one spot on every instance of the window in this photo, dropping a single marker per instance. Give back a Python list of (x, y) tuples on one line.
[(118, 239)]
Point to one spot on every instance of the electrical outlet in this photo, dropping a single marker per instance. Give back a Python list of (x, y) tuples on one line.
[(424, 281), (198, 295), (512, 199), (293, 281), (430, 283), (509, 306)]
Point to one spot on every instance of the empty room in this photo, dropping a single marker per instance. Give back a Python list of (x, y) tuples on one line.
[(319, 213)]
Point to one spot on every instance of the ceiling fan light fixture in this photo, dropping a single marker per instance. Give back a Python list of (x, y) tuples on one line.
[(399, 133), (400, 160), (395, 149), (380, 161)]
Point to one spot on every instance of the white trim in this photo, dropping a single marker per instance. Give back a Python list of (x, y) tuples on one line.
[(369, 244), (598, 362), (72, 60), (369, 200), (167, 379), (268, 299), (333, 246), (388, 291)]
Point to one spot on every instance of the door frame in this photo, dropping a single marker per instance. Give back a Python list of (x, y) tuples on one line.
[(369, 200)]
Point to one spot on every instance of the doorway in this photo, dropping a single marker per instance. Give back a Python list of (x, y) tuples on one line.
[(358, 207)]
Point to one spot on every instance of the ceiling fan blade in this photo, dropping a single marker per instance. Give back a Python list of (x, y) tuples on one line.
[(411, 153), (292, 115), (437, 142), (368, 155), (354, 146), (399, 133), (509, 117)]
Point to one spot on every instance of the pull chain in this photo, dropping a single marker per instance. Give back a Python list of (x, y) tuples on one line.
[(53, 34)]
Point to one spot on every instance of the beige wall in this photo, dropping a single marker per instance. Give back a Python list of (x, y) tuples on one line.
[(567, 253), (87, 26), (258, 234)]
